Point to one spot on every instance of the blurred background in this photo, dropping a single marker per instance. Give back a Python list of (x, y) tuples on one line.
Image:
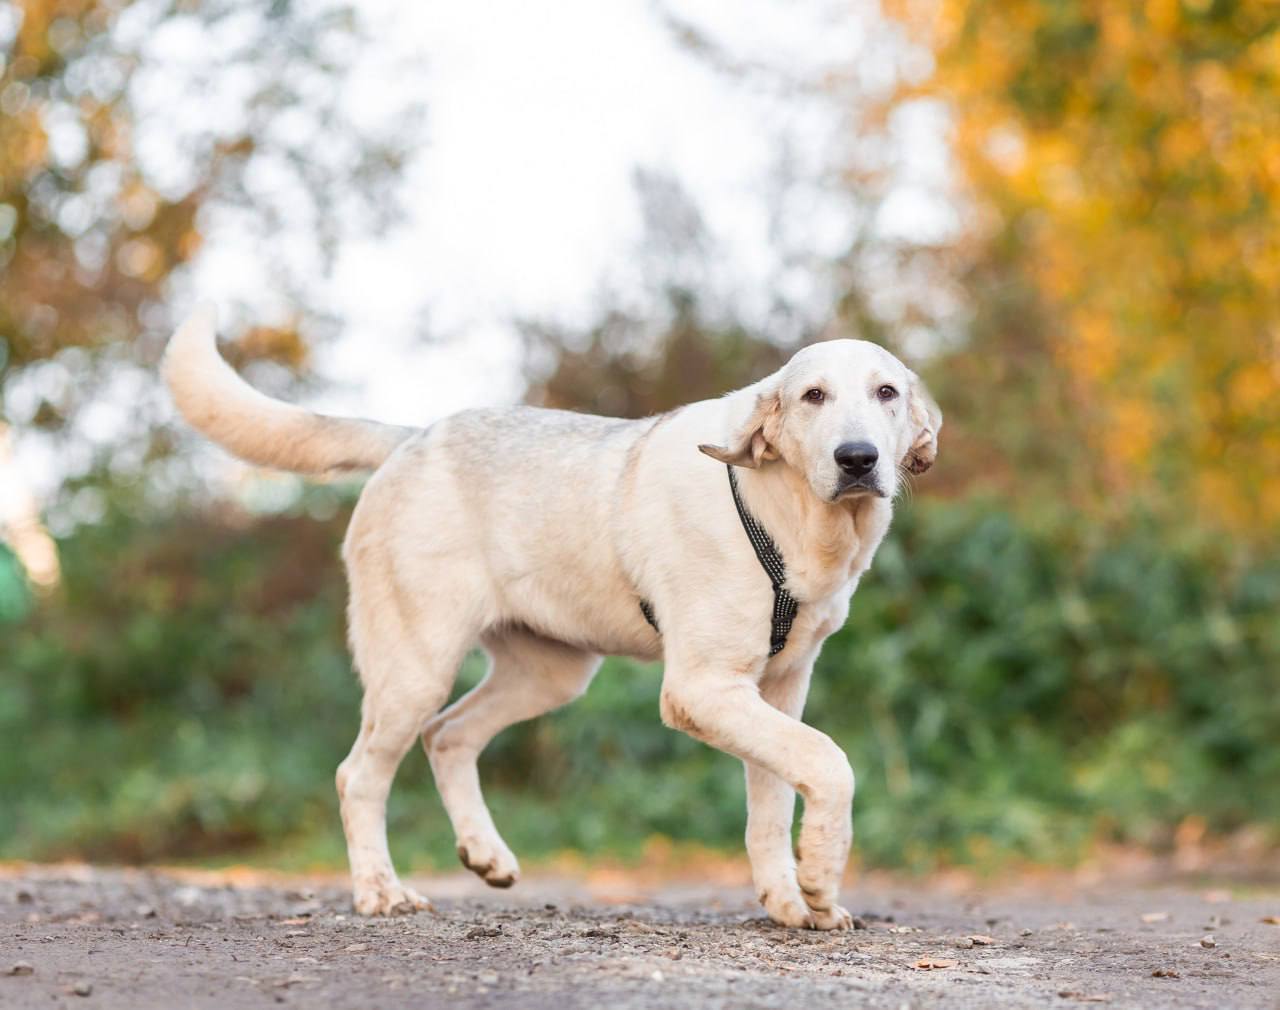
[(1066, 216)]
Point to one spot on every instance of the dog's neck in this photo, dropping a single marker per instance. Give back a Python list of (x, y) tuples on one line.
[(825, 544)]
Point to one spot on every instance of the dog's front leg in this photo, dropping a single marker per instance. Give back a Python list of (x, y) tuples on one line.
[(771, 804), (727, 711)]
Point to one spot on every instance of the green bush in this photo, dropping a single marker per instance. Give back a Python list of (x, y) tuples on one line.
[(1002, 687)]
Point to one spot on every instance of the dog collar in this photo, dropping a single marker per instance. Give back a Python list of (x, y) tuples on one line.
[(784, 604)]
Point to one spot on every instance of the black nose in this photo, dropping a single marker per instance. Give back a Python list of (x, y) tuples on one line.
[(857, 459)]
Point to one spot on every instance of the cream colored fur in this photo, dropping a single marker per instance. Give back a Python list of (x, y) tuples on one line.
[(535, 533)]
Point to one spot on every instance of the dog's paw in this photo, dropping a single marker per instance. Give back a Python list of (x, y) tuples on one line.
[(490, 860), (389, 899), (786, 907), (833, 917)]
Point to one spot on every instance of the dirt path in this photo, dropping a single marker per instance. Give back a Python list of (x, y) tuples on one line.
[(133, 939)]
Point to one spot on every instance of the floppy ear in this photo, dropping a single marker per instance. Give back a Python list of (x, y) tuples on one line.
[(757, 439), (926, 421)]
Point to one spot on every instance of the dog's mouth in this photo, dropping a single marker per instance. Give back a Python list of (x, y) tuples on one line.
[(859, 487)]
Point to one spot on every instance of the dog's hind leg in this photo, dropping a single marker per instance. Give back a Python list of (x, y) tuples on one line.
[(407, 677), (527, 677)]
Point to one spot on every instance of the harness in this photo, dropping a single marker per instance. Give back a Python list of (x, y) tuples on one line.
[(784, 604)]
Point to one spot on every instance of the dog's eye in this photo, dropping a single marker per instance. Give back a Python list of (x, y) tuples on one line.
[(815, 395), (886, 393)]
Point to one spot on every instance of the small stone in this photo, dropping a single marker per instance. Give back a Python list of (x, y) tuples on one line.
[(24, 897), (1165, 973), (356, 948), (657, 976), (859, 922), (21, 968), (1025, 932), (145, 912), (965, 942), (187, 896), (83, 989), (1208, 941)]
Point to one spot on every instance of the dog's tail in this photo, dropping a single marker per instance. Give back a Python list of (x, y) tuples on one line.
[(258, 429)]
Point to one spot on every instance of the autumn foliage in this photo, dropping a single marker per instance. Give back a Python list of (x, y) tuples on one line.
[(1121, 162)]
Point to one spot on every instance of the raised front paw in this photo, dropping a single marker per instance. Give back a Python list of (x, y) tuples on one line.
[(490, 859)]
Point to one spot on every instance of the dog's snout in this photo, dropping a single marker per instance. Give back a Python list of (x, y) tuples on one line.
[(857, 459)]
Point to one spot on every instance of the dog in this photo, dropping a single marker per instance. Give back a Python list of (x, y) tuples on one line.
[(725, 537)]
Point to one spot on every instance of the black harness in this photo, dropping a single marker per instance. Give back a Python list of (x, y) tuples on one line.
[(784, 604)]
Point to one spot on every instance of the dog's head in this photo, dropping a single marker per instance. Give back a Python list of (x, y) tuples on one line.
[(847, 414)]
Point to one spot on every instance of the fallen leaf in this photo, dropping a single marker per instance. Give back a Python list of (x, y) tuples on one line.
[(1165, 973), (1086, 997), (1155, 916), (934, 963), (1271, 920)]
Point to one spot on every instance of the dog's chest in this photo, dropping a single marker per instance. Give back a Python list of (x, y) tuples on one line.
[(815, 622)]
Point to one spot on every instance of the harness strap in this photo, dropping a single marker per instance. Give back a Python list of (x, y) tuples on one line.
[(785, 605)]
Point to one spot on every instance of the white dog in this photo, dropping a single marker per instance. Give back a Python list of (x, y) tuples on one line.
[(552, 538)]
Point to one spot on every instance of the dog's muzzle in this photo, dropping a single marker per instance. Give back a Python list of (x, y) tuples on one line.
[(856, 462)]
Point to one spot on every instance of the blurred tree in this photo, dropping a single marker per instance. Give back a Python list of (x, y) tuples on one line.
[(630, 365), (96, 213), (1122, 164)]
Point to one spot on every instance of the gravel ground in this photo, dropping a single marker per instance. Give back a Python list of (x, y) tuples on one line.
[(130, 939)]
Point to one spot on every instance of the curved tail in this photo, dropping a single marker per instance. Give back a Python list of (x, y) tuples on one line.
[(258, 429)]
